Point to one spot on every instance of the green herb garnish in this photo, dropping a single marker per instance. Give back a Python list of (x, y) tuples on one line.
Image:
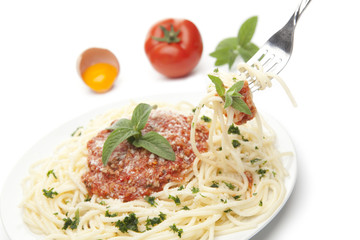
[(234, 130), (176, 230), (176, 199), (229, 49), (130, 130), (214, 184), (230, 185), (255, 160), (206, 119), (235, 143), (195, 190), (72, 223), (129, 223), (88, 198), (52, 173), (108, 214), (232, 97), (150, 200), (154, 221), (49, 193), (261, 172), (237, 197)]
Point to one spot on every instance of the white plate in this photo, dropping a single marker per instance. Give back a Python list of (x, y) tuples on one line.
[(12, 192)]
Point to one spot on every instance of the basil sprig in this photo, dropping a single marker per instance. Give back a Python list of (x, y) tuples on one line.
[(230, 48), (232, 97), (130, 130)]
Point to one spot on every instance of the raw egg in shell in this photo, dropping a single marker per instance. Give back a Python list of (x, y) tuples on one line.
[(98, 68)]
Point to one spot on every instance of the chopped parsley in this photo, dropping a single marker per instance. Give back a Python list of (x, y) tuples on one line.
[(261, 172), (176, 199), (214, 184), (176, 230), (72, 223), (52, 173), (150, 200), (206, 119), (185, 208), (255, 160), (154, 221), (233, 130), (73, 134), (237, 197), (107, 214), (244, 139), (223, 200), (235, 143), (49, 193), (195, 190), (88, 198), (228, 210), (181, 188), (129, 223), (230, 185), (260, 203)]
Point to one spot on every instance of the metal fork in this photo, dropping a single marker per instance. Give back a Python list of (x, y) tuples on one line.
[(276, 52)]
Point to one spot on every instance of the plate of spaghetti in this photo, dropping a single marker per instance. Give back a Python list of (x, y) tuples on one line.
[(228, 172)]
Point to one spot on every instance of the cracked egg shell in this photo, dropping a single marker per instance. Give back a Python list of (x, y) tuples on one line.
[(103, 66)]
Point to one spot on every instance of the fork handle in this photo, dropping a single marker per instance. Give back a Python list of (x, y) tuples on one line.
[(300, 10)]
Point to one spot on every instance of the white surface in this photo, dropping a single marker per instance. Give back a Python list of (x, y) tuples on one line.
[(12, 193), (40, 89)]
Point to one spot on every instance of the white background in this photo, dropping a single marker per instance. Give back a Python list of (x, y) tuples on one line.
[(40, 89)]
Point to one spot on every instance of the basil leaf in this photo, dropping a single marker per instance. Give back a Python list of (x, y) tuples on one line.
[(235, 88), (228, 100), (228, 43), (247, 31), (232, 58), (222, 56), (122, 123), (248, 51), (157, 144), (225, 52), (114, 139), (240, 105), (220, 89), (140, 116)]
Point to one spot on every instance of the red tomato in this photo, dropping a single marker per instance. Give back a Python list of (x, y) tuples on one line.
[(174, 47)]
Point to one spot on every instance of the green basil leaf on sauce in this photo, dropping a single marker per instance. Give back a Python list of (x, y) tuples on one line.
[(141, 115), (157, 144), (240, 105), (122, 123), (114, 139), (235, 88)]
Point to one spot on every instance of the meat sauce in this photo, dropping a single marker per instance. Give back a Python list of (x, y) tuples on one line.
[(133, 173), (240, 117)]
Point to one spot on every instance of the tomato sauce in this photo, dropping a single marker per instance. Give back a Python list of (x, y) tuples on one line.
[(133, 173), (240, 117)]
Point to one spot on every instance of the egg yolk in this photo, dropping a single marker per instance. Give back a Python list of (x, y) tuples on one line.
[(100, 76)]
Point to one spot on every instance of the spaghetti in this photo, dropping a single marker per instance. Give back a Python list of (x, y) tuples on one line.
[(234, 185)]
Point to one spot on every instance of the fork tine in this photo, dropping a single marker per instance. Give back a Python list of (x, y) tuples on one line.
[(276, 52)]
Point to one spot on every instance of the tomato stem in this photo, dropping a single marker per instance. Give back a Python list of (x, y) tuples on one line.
[(169, 36)]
